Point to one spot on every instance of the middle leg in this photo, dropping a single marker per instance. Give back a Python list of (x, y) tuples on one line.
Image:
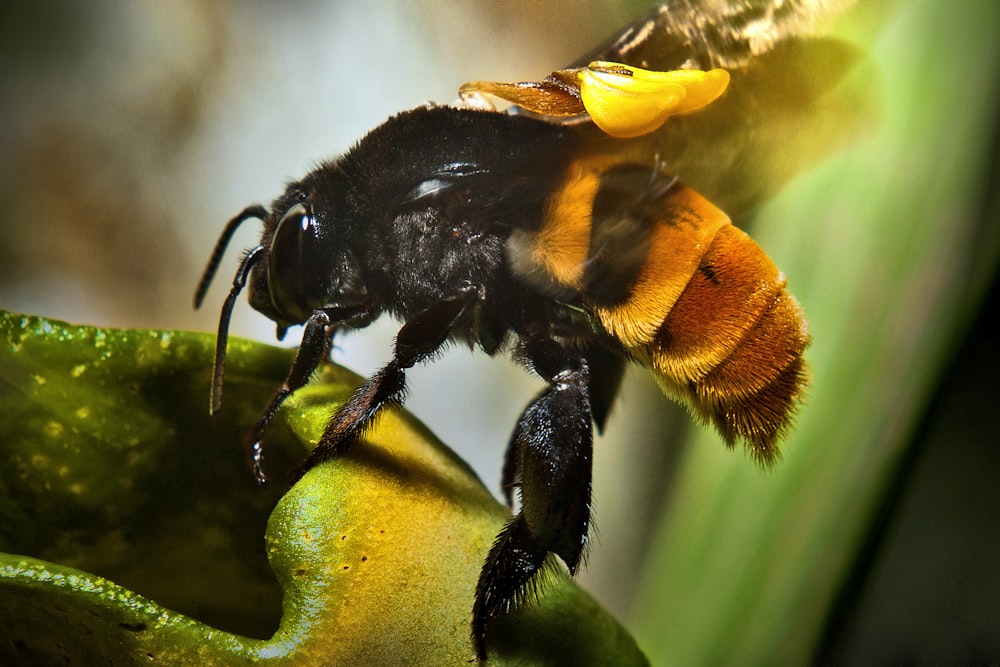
[(418, 339)]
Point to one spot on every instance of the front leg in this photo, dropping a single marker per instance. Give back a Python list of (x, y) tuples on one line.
[(319, 329), (420, 337), (550, 461)]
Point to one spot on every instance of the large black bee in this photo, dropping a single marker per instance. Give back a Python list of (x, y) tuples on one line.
[(536, 232)]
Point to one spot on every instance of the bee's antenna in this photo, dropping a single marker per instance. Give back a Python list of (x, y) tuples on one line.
[(252, 257), (256, 211)]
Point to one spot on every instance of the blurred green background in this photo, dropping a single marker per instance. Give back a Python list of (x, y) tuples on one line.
[(129, 133)]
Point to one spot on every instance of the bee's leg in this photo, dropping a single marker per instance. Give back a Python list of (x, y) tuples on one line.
[(510, 477), (552, 446), (606, 372), (316, 337), (607, 369), (419, 338)]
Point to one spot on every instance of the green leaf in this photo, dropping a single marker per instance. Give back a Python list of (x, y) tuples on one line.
[(111, 467), (889, 250)]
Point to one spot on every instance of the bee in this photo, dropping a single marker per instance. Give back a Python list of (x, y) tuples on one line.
[(567, 231)]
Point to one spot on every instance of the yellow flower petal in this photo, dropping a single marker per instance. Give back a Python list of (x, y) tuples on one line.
[(628, 101)]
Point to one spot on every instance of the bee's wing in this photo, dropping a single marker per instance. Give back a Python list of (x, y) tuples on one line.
[(790, 101), (703, 34)]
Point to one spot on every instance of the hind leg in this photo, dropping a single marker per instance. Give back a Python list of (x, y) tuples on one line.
[(550, 462)]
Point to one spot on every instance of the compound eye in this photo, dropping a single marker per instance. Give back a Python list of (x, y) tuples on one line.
[(290, 259)]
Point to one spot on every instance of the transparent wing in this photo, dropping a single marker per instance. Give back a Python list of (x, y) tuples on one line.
[(795, 95)]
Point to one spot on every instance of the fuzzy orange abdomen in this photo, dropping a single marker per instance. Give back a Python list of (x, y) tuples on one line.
[(704, 308), (731, 347)]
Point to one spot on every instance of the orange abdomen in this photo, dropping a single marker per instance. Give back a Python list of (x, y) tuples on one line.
[(702, 306), (730, 345)]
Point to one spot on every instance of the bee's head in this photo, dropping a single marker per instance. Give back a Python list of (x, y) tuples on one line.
[(303, 261), (307, 262)]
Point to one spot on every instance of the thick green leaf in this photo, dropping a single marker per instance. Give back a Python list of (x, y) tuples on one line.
[(111, 467)]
